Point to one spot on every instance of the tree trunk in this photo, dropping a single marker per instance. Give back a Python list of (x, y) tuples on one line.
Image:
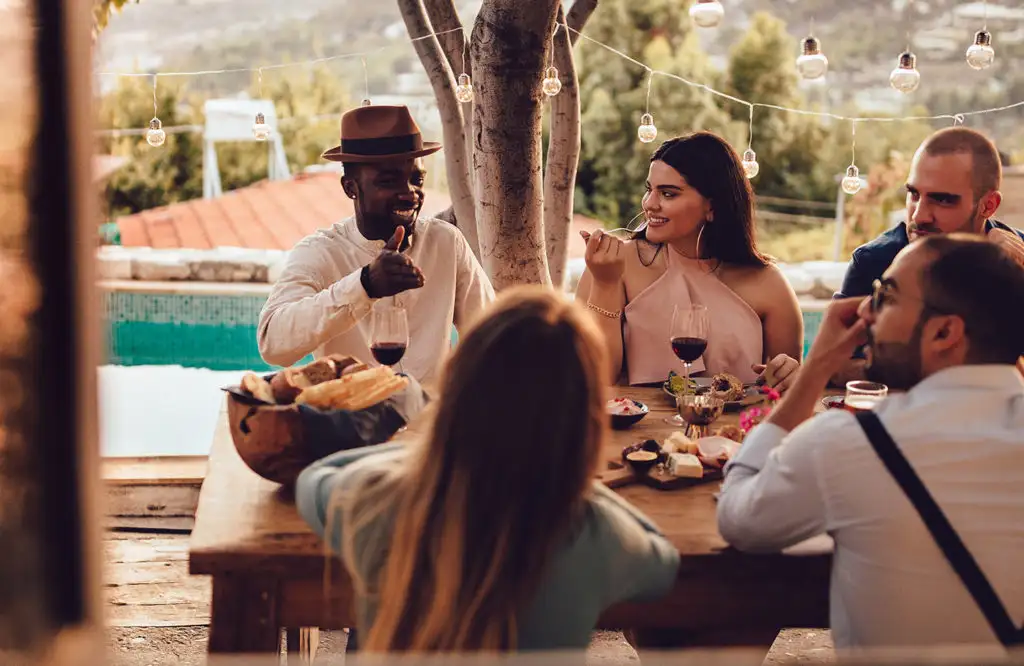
[(455, 142), (563, 156), (510, 44)]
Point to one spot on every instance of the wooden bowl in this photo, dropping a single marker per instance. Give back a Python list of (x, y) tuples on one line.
[(269, 439)]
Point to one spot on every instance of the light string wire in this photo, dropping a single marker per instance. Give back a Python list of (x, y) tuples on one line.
[(957, 118)]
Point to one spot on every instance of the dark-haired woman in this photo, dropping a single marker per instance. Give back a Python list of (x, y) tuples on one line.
[(697, 246)]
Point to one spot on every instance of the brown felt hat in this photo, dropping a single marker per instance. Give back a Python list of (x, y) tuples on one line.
[(378, 134)]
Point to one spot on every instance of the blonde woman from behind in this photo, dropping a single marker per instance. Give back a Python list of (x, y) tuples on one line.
[(491, 533)]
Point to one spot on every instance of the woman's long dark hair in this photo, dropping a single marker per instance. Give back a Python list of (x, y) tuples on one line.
[(713, 168)]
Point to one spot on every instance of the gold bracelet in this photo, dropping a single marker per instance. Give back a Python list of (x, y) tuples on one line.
[(601, 311)]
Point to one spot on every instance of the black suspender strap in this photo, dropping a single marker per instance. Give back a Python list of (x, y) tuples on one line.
[(945, 536)]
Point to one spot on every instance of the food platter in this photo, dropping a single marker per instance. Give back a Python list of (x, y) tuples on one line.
[(751, 393)]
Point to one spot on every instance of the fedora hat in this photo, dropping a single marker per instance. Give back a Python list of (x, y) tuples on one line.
[(379, 133)]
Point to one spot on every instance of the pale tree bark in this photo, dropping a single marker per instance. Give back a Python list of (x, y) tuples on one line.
[(457, 163), (510, 45), (563, 143), (444, 18)]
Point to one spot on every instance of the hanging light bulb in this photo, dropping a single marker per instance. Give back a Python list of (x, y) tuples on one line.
[(260, 128), (464, 91), (750, 166), (905, 77), (980, 54), (552, 85), (156, 135), (851, 182), (706, 13), (647, 132), (812, 63)]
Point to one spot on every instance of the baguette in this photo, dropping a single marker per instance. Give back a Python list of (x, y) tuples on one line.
[(257, 387), (340, 393)]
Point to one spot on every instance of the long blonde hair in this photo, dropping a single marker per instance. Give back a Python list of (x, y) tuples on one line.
[(484, 501)]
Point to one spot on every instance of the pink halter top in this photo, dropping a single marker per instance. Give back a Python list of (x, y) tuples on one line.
[(735, 339)]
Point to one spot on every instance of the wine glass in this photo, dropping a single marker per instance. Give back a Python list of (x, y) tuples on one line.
[(689, 339), (862, 396), (389, 335)]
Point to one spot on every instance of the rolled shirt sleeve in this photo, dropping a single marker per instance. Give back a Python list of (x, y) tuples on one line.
[(772, 496), (304, 310)]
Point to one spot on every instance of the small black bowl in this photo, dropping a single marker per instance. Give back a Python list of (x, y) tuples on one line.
[(623, 421), (641, 467)]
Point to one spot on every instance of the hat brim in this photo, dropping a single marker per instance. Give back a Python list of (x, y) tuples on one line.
[(335, 154)]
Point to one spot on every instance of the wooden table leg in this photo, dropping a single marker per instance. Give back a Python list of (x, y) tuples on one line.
[(302, 644), (243, 617)]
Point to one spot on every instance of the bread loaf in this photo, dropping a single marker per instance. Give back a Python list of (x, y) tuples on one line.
[(287, 384), (320, 370), (257, 387)]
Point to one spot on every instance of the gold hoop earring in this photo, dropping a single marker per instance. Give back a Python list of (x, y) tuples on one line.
[(699, 235)]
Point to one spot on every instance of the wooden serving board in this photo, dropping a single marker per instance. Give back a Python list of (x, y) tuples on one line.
[(616, 477)]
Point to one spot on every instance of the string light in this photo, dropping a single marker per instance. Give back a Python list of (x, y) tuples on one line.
[(647, 132), (812, 63), (707, 13), (750, 166), (155, 136), (980, 54), (851, 182), (464, 89), (366, 84), (551, 85), (156, 133), (905, 78), (260, 129)]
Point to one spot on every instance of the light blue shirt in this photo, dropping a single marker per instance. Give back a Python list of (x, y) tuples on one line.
[(614, 554), (962, 430)]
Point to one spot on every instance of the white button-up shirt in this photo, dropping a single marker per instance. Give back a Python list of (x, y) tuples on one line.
[(319, 305), (962, 430)]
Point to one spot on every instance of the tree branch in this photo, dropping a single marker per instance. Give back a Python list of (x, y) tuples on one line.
[(443, 82), (578, 16), (563, 155), (444, 17)]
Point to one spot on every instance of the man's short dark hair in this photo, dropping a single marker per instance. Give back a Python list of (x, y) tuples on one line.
[(980, 282), (350, 169), (986, 167)]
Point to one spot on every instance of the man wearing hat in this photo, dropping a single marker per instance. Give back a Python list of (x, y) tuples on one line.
[(386, 252)]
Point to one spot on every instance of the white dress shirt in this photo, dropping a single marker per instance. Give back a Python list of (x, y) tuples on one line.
[(319, 305), (962, 430)]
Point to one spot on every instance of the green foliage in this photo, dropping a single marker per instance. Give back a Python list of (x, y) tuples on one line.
[(101, 13), (173, 172), (613, 163)]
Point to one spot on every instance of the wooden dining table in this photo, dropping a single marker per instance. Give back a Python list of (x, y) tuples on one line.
[(268, 568)]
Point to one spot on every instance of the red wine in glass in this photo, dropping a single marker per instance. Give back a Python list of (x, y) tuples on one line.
[(689, 349), (388, 353), (390, 334), (689, 338)]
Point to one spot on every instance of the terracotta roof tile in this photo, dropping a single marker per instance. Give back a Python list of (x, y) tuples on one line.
[(271, 215)]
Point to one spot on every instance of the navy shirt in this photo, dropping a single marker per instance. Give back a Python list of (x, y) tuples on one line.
[(871, 259)]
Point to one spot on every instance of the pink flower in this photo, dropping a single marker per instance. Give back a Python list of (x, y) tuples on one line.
[(772, 394), (752, 417)]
